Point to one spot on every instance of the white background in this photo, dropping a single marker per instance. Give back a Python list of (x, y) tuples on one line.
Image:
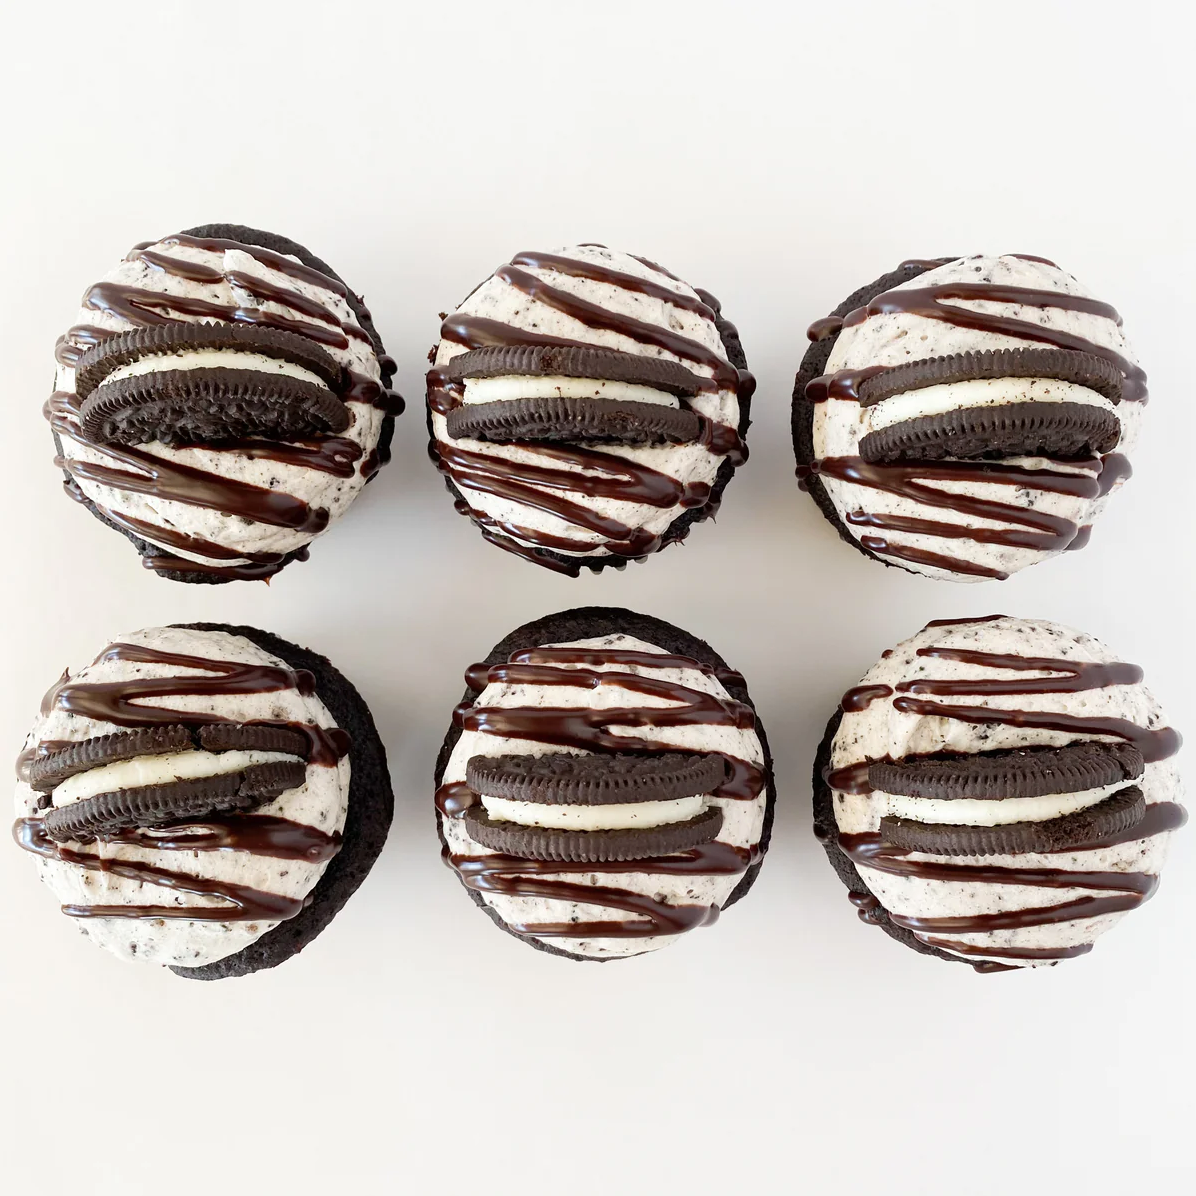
[(780, 155)]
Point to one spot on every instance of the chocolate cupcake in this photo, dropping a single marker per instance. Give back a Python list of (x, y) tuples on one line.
[(587, 407), (998, 792), (221, 400), (605, 786), (963, 418), (203, 796)]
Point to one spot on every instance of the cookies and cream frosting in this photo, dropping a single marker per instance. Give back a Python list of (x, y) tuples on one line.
[(592, 502), (976, 519), (1002, 685), (608, 694), (227, 510), (186, 892)]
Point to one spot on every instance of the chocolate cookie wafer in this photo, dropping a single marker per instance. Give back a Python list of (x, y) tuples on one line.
[(1109, 818), (1013, 430)]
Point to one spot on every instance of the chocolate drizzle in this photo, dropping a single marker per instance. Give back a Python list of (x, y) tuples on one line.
[(1089, 478), (1120, 891), (590, 472), (123, 703), (240, 902), (590, 729)]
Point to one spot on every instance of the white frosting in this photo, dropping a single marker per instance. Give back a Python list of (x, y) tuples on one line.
[(518, 386), (209, 359), (321, 802), (616, 816), (980, 392), (158, 770), (896, 338), (498, 300), (742, 820), (881, 731), (318, 489), (987, 812)]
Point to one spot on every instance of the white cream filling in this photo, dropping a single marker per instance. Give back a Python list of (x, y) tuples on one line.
[(521, 386), (210, 359), (613, 817), (158, 770), (979, 392), (999, 812)]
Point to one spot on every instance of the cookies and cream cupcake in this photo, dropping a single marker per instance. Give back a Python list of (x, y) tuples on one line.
[(221, 399), (587, 407), (605, 786), (998, 791), (204, 797), (963, 418)]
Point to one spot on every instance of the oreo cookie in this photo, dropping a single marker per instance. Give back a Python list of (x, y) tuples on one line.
[(1025, 772), (211, 404), (1002, 430), (557, 778), (574, 361), (1116, 814), (162, 805), (371, 809), (595, 847), (1066, 365), (586, 623), (582, 420)]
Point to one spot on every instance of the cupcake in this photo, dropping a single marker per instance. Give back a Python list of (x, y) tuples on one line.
[(963, 418), (605, 785), (203, 797), (587, 407), (998, 791), (221, 399)]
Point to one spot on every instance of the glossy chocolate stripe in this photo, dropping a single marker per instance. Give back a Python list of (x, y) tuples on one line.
[(594, 316), (596, 272), (163, 478), (1155, 745), (276, 261), (1071, 676), (927, 303), (244, 904), (143, 308), (255, 834)]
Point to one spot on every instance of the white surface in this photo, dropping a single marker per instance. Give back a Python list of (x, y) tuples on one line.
[(780, 158)]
